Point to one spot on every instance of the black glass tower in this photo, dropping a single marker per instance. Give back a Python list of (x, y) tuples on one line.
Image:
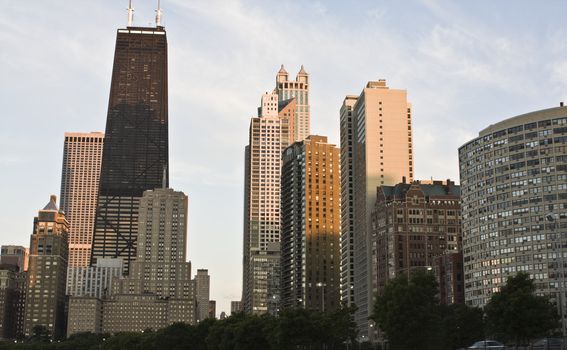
[(135, 152)]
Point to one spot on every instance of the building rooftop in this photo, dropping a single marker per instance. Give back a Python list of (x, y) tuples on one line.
[(544, 114)]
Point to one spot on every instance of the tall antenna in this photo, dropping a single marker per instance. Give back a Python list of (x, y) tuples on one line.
[(158, 14), (130, 13)]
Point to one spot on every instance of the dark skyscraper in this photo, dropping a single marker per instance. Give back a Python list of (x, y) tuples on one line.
[(135, 152)]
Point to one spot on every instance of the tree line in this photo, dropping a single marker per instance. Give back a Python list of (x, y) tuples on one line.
[(408, 314)]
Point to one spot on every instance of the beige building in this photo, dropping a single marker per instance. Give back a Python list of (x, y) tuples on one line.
[(159, 290), (270, 133), (80, 176), (85, 315), (298, 90), (45, 296), (311, 225), (202, 292), (381, 134)]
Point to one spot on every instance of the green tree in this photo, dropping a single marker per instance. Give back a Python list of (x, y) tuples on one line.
[(408, 312), (515, 313), (463, 325)]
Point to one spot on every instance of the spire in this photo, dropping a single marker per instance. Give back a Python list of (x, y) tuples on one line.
[(302, 71), (52, 205), (302, 76), (158, 14), (130, 13), (282, 75)]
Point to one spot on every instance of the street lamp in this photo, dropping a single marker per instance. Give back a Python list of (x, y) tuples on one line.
[(552, 217), (322, 286)]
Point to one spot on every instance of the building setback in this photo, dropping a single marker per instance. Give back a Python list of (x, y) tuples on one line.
[(270, 133), (413, 225), (159, 290), (310, 206), (381, 155), (45, 297), (80, 176), (514, 193), (136, 140)]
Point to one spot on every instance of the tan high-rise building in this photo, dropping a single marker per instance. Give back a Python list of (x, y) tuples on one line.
[(381, 134), (270, 133), (297, 89), (80, 175), (45, 297), (311, 225)]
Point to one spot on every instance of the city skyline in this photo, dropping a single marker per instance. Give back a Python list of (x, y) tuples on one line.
[(482, 81)]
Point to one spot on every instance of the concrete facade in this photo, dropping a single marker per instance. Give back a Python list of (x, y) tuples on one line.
[(381, 155), (270, 133)]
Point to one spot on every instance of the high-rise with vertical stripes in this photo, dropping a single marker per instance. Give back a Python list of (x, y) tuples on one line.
[(80, 176), (378, 135)]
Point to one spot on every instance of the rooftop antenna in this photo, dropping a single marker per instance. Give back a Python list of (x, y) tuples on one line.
[(130, 13), (158, 14)]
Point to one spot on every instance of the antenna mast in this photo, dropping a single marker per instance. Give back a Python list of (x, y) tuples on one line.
[(158, 14), (130, 13)]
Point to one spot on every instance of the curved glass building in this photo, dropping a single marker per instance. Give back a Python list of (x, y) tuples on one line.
[(514, 204)]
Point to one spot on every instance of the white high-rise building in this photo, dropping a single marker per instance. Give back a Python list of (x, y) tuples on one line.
[(283, 116)]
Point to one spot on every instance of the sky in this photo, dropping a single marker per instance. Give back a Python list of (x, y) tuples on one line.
[(464, 64)]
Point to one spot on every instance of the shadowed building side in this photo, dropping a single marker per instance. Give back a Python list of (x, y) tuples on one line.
[(136, 140)]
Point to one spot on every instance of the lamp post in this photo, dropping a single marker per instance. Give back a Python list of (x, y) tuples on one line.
[(322, 286), (552, 217)]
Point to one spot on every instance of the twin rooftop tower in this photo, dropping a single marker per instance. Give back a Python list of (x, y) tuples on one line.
[(131, 14)]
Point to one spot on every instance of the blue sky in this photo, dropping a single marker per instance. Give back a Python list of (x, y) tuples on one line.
[(465, 65)]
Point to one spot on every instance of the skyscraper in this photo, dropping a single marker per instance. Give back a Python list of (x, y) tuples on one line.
[(297, 89), (136, 139), (202, 290), (310, 209), (270, 133), (381, 155), (347, 200), (80, 176), (45, 300), (514, 193)]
